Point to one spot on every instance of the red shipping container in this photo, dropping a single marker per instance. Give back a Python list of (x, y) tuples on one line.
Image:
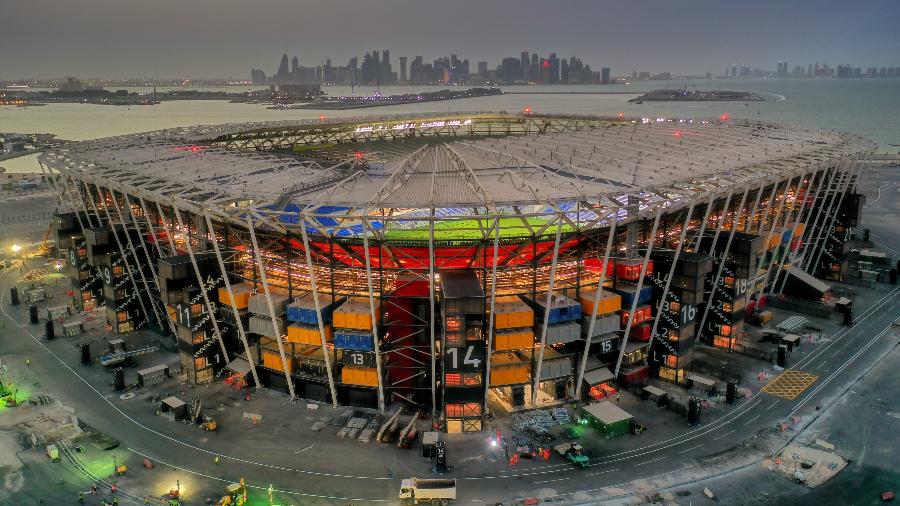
[(641, 314), (635, 375), (630, 270), (795, 244), (411, 286), (641, 332), (595, 265)]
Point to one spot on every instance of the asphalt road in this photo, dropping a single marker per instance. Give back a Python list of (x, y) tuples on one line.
[(660, 464)]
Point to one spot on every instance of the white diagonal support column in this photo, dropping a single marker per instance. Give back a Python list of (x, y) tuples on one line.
[(153, 234), (806, 226), (774, 218), (169, 235), (815, 229), (201, 283), (724, 257), (315, 294), (156, 309), (668, 283), (271, 307), (540, 359), (490, 342), (122, 250), (610, 240), (789, 218), (378, 370), (849, 178), (234, 309), (650, 240)]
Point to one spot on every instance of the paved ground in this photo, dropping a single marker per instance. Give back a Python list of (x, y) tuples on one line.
[(306, 467)]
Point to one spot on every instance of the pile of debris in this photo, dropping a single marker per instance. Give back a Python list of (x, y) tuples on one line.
[(810, 465), (538, 421)]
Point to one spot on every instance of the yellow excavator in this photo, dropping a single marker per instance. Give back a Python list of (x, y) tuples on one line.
[(235, 495)]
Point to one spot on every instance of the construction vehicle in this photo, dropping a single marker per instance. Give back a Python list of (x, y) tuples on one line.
[(121, 469), (574, 452), (209, 424), (434, 491), (235, 495), (53, 453)]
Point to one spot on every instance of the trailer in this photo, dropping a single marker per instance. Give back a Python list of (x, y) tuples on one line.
[(435, 491), (574, 452)]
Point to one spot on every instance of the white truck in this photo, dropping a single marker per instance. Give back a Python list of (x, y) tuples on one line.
[(438, 492)]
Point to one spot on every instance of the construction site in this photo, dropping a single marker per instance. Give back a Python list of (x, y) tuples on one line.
[(458, 265)]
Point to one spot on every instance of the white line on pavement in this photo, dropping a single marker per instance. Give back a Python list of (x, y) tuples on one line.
[(723, 435), (649, 462), (748, 422), (691, 448), (602, 472)]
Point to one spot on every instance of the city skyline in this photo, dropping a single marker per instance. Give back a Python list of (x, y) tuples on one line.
[(695, 41)]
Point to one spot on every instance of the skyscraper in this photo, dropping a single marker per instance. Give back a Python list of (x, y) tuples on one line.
[(523, 57), (283, 70), (604, 75), (482, 70), (403, 69)]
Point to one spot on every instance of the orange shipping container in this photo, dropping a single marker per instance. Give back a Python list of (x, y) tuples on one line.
[(609, 302), (355, 314), (364, 376), (308, 334), (511, 313), (241, 295), (514, 339), (799, 229), (272, 360)]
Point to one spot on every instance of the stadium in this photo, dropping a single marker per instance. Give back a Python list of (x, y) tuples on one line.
[(451, 262)]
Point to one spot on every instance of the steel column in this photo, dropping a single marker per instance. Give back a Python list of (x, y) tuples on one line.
[(124, 254), (812, 238), (234, 310), (201, 283), (553, 262), (315, 295), (668, 283), (835, 210), (372, 314), (271, 306), (806, 225), (788, 219), (490, 341), (640, 285), (722, 261), (759, 262), (169, 234), (431, 317), (610, 239)]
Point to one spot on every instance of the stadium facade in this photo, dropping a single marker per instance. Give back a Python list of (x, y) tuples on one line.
[(455, 260)]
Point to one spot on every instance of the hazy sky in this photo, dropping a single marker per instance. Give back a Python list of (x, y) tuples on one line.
[(224, 38)]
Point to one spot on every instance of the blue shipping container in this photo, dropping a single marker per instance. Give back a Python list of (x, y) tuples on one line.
[(628, 293), (303, 310), (357, 341), (562, 309)]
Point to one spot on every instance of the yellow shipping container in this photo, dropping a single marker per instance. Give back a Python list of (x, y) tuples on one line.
[(610, 302), (775, 240), (241, 295), (514, 339), (799, 229), (364, 376), (308, 334), (512, 313), (355, 314), (272, 360)]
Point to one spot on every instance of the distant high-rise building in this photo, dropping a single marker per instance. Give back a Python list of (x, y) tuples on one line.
[(734, 70), (523, 60), (809, 70), (535, 74), (295, 65), (403, 69), (257, 76), (283, 69), (604, 75), (634, 74), (483, 70)]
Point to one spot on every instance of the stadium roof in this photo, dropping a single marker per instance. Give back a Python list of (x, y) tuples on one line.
[(455, 165)]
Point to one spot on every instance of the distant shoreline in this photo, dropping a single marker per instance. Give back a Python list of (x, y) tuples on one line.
[(698, 96)]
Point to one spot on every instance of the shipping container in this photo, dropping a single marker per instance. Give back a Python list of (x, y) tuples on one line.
[(271, 359), (604, 325), (308, 334), (630, 269), (509, 368), (354, 340), (641, 314), (556, 365), (513, 339), (512, 313), (640, 332), (634, 375), (241, 295), (561, 333), (410, 285), (303, 309), (354, 314), (263, 326), (363, 376), (258, 304), (561, 309), (629, 292), (608, 419), (609, 301), (595, 264)]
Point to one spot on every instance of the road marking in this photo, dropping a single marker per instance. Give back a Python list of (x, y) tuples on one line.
[(602, 472), (723, 435), (303, 450), (835, 353), (649, 462), (691, 448), (789, 384), (551, 481), (751, 420), (772, 405)]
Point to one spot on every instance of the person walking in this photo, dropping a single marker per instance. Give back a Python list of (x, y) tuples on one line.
[(80, 497)]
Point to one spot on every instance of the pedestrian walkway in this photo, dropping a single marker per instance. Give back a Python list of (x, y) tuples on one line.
[(789, 384)]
